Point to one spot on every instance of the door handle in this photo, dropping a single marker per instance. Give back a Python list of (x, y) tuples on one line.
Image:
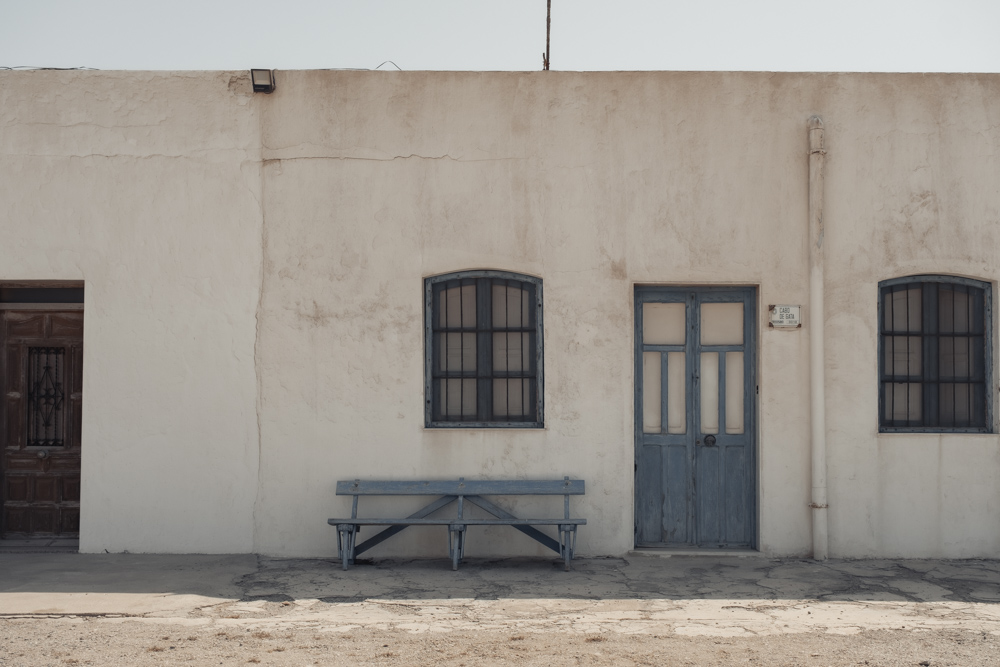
[(709, 441)]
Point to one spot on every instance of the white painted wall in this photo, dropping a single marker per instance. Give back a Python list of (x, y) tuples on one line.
[(215, 228), (146, 186), (912, 189)]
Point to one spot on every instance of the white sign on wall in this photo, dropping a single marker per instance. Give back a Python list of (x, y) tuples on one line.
[(785, 317)]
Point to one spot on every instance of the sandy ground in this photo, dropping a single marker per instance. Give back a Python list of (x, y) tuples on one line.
[(89, 641), (244, 610)]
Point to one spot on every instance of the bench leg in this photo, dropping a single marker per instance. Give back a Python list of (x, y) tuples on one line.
[(346, 537), (456, 545), (567, 542)]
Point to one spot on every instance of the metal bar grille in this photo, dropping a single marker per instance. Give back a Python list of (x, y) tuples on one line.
[(46, 396), (933, 355), (483, 350)]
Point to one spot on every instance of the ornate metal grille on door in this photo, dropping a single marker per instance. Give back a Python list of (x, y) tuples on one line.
[(46, 396)]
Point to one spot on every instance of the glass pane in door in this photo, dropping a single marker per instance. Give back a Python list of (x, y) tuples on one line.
[(734, 392), (709, 392), (663, 323), (676, 392), (722, 324), (651, 419)]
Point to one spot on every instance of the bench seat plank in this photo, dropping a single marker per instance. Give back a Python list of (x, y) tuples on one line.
[(458, 522), (472, 487)]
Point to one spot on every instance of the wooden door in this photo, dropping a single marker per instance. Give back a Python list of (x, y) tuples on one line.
[(41, 374), (695, 406)]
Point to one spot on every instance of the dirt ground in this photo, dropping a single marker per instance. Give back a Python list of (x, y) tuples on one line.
[(122, 609), (90, 641)]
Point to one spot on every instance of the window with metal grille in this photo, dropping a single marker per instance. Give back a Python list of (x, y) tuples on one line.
[(483, 365), (935, 365)]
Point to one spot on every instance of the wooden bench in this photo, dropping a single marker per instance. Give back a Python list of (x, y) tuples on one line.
[(458, 491)]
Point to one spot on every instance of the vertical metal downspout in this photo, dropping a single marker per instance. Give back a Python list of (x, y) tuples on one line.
[(817, 323)]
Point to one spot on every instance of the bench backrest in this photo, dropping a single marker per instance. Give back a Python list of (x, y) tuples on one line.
[(461, 487)]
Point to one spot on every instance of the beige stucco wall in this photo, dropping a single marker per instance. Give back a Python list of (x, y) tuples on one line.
[(914, 187), (254, 268), (146, 187)]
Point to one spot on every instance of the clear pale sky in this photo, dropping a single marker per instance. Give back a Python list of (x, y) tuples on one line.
[(780, 35)]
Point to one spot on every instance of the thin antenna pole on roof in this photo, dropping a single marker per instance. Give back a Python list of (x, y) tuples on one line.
[(548, 29)]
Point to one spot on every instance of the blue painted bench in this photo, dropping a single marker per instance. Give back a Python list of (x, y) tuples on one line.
[(460, 492)]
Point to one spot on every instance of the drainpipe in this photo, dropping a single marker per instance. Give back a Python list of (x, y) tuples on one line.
[(817, 375)]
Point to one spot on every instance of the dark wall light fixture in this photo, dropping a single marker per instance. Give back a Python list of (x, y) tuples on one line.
[(263, 80)]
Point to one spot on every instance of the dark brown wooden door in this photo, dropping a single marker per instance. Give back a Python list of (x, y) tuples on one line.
[(41, 374)]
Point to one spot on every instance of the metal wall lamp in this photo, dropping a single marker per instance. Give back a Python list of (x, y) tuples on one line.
[(263, 80)]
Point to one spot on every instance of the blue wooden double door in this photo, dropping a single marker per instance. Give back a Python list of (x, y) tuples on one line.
[(695, 467)]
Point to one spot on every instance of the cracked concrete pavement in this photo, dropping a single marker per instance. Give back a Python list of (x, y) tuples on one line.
[(685, 595)]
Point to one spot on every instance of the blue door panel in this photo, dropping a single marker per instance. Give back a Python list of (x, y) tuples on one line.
[(649, 470), (676, 494), (710, 506), (736, 524)]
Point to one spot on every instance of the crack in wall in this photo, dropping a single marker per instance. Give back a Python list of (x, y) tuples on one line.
[(258, 399), (69, 614), (190, 155), (393, 158), (91, 124)]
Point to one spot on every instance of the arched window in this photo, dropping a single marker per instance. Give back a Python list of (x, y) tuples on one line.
[(483, 365), (935, 365)]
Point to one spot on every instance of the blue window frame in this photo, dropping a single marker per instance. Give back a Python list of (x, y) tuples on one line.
[(935, 355), (483, 344)]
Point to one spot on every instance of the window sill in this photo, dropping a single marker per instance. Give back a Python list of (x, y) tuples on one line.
[(935, 431), (484, 425)]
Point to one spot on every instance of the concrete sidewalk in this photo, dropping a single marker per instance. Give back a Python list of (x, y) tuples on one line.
[(688, 595)]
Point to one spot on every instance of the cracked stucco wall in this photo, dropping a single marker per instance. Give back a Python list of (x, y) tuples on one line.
[(596, 182), (146, 186), (913, 188), (254, 271)]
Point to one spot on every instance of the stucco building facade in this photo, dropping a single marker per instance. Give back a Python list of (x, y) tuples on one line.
[(259, 319)]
